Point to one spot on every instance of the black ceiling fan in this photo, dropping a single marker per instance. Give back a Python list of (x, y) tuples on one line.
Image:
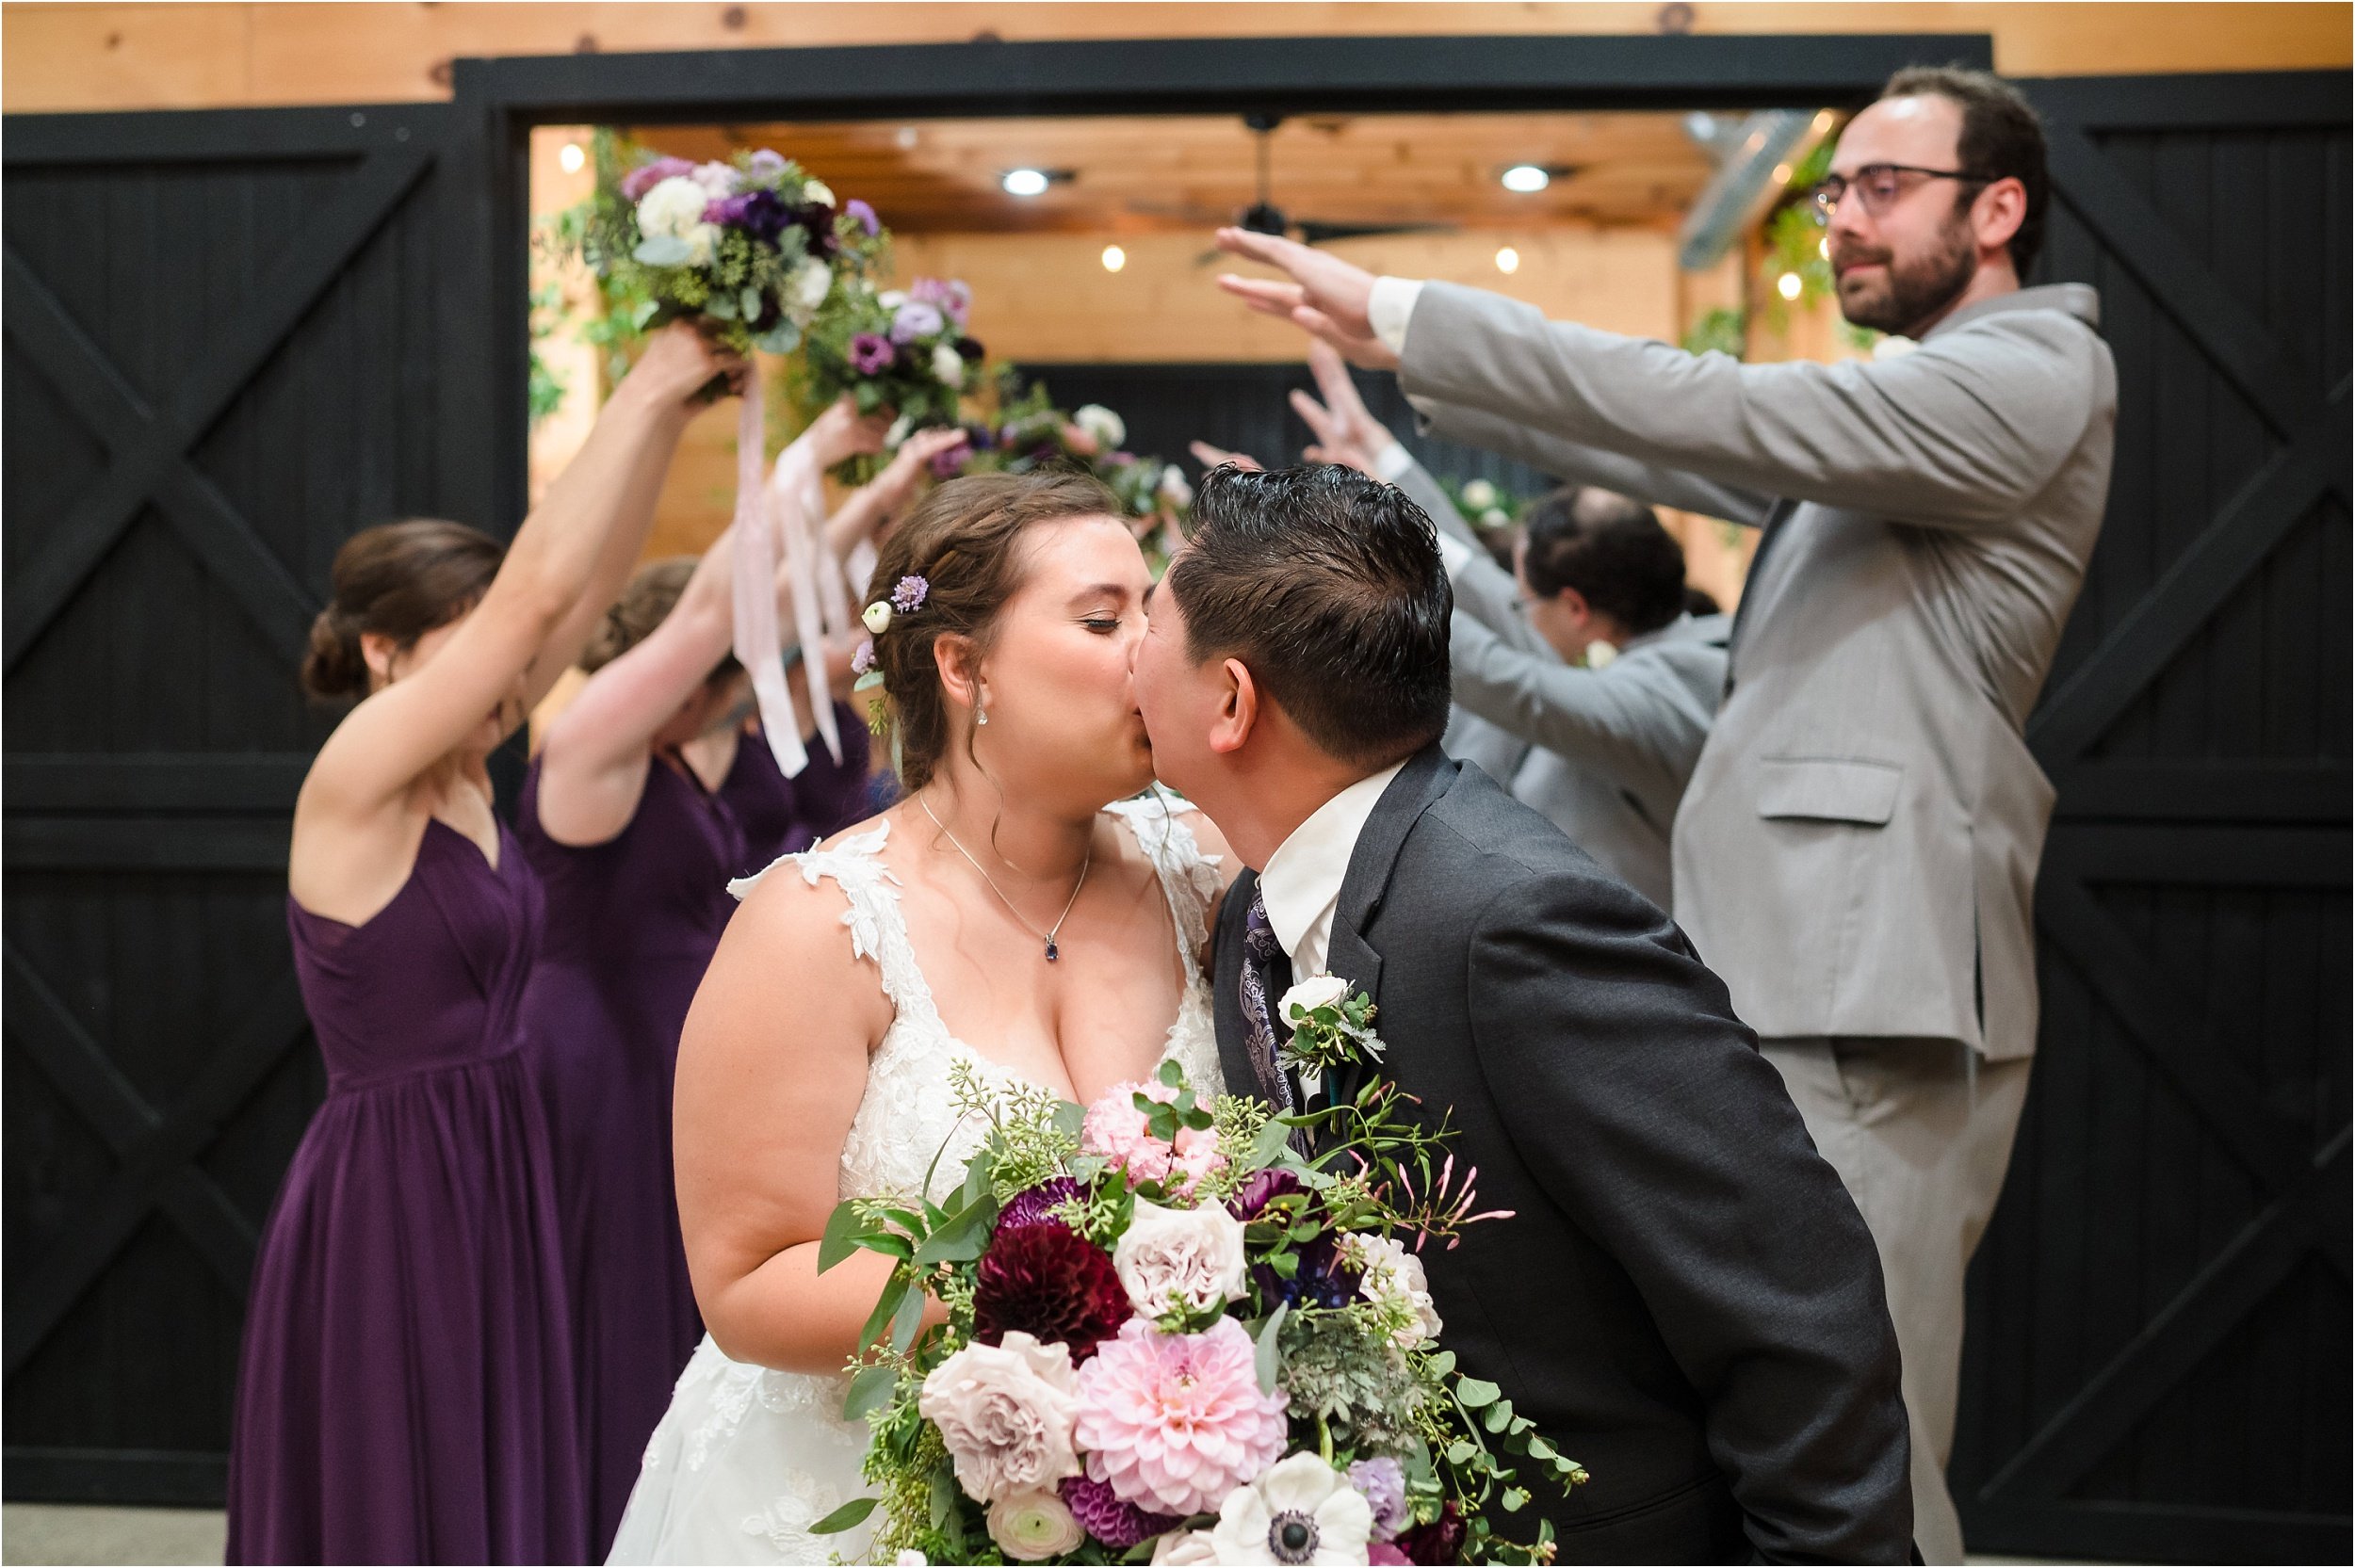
[(1265, 217)]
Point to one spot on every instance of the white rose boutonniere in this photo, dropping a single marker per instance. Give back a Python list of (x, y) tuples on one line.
[(1332, 1027)]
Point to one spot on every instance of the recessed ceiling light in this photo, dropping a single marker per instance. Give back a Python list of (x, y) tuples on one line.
[(570, 158), (1787, 285), (1526, 178), (1115, 258), (1509, 260), (1024, 182)]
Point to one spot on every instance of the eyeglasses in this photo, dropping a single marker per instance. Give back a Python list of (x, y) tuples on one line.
[(1877, 186)]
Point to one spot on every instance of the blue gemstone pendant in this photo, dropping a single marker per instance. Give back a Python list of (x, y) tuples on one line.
[(1051, 950)]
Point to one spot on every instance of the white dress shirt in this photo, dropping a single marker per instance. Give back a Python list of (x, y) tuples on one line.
[(1392, 307), (1302, 884)]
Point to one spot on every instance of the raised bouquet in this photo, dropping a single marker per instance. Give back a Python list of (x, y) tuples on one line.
[(905, 350), (1172, 1337)]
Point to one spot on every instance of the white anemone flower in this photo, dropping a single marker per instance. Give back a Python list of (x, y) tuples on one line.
[(1300, 1509)]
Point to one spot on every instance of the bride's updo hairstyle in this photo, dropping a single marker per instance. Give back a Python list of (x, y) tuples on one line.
[(398, 580), (964, 540)]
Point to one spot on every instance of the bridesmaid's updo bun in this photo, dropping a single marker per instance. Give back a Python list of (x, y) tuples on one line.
[(962, 540), (398, 580), (653, 592)]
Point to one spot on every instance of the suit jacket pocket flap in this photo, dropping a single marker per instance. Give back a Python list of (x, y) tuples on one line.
[(1830, 789)]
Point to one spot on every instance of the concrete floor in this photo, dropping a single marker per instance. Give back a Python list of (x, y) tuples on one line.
[(51, 1532)]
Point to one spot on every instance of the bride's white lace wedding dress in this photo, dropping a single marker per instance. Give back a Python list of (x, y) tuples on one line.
[(748, 1458)]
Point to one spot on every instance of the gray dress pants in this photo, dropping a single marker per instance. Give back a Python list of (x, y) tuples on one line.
[(1921, 1135)]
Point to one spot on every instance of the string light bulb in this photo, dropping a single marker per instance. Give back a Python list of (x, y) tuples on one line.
[(1787, 285), (1509, 260), (1115, 258), (570, 158)]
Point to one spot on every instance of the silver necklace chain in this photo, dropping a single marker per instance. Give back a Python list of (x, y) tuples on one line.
[(1047, 936)]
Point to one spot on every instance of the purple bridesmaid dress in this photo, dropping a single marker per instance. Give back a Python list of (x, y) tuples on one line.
[(406, 1392), (784, 816), (631, 926)]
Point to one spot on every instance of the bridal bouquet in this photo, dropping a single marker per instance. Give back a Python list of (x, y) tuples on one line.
[(1172, 1339)]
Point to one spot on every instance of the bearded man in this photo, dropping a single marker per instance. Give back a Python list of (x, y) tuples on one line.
[(1856, 855)]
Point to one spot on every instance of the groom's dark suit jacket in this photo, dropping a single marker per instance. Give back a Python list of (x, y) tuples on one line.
[(1686, 1300)]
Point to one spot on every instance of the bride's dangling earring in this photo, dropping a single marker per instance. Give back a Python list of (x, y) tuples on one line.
[(981, 716)]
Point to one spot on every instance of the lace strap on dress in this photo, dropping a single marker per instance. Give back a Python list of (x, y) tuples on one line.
[(1189, 877), (877, 924)]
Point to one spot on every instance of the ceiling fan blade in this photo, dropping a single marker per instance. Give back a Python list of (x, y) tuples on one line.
[(1314, 232)]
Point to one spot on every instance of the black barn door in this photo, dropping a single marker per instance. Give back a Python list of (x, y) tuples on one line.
[(230, 342), (2157, 1366)]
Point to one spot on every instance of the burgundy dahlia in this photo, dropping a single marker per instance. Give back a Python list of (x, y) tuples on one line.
[(1035, 1205), (1102, 1514), (1439, 1541), (1048, 1282)]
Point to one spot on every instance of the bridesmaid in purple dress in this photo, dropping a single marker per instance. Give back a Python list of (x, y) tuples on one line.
[(784, 816), (406, 1392), (626, 818)]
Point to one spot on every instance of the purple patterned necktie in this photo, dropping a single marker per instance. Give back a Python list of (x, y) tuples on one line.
[(1261, 953)]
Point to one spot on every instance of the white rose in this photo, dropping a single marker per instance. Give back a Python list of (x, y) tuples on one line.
[(1006, 1412), (1184, 1257), (1300, 1509), (672, 207), (1107, 428), (948, 365), (817, 191), (1184, 1549), (1600, 654), (1173, 487), (1030, 1527), (1394, 1274), (1480, 495), (812, 281), (1321, 991), (877, 616)]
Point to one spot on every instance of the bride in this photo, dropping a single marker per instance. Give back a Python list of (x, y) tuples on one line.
[(1002, 916)]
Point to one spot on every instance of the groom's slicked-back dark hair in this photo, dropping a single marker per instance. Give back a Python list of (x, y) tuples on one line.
[(1329, 587)]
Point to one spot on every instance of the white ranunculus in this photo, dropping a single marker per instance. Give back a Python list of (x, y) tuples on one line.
[(948, 365), (1479, 494), (1107, 428), (1031, 1526), (1599, 653), (672, 207), (1393, 1273), (1184, 1549), (1319, 990), (1300, 1509), (1185, 1257), (1173, 487), (877, 616), (1006, 1414), (818, 191), (811, 282)]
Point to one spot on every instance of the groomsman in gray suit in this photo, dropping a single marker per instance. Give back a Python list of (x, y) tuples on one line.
[(1857, 852)]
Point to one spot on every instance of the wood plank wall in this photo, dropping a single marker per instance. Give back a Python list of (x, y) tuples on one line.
[(208, 56)]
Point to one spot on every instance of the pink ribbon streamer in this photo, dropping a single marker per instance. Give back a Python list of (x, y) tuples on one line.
[(755, 590), (821, 607)]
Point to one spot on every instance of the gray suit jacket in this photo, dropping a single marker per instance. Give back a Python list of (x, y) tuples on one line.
[(1604, 753), (1857, 851)]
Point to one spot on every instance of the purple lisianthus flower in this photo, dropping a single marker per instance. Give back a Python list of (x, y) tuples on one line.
[(915, 319), (907, 597), (1102, 1514), (765, 165), (1383, 1484), (647, 176), (954, 296), (758, 213), (1036, 1206), (872, 355), (866, 216)]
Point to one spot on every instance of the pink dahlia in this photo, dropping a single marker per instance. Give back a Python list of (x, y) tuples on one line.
[(1175, 1422)]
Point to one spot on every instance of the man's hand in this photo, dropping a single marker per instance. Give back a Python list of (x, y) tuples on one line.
[(1328, 297), (1213, 457)]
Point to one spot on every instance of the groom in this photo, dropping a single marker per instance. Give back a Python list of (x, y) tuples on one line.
[(1686, 1300)]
